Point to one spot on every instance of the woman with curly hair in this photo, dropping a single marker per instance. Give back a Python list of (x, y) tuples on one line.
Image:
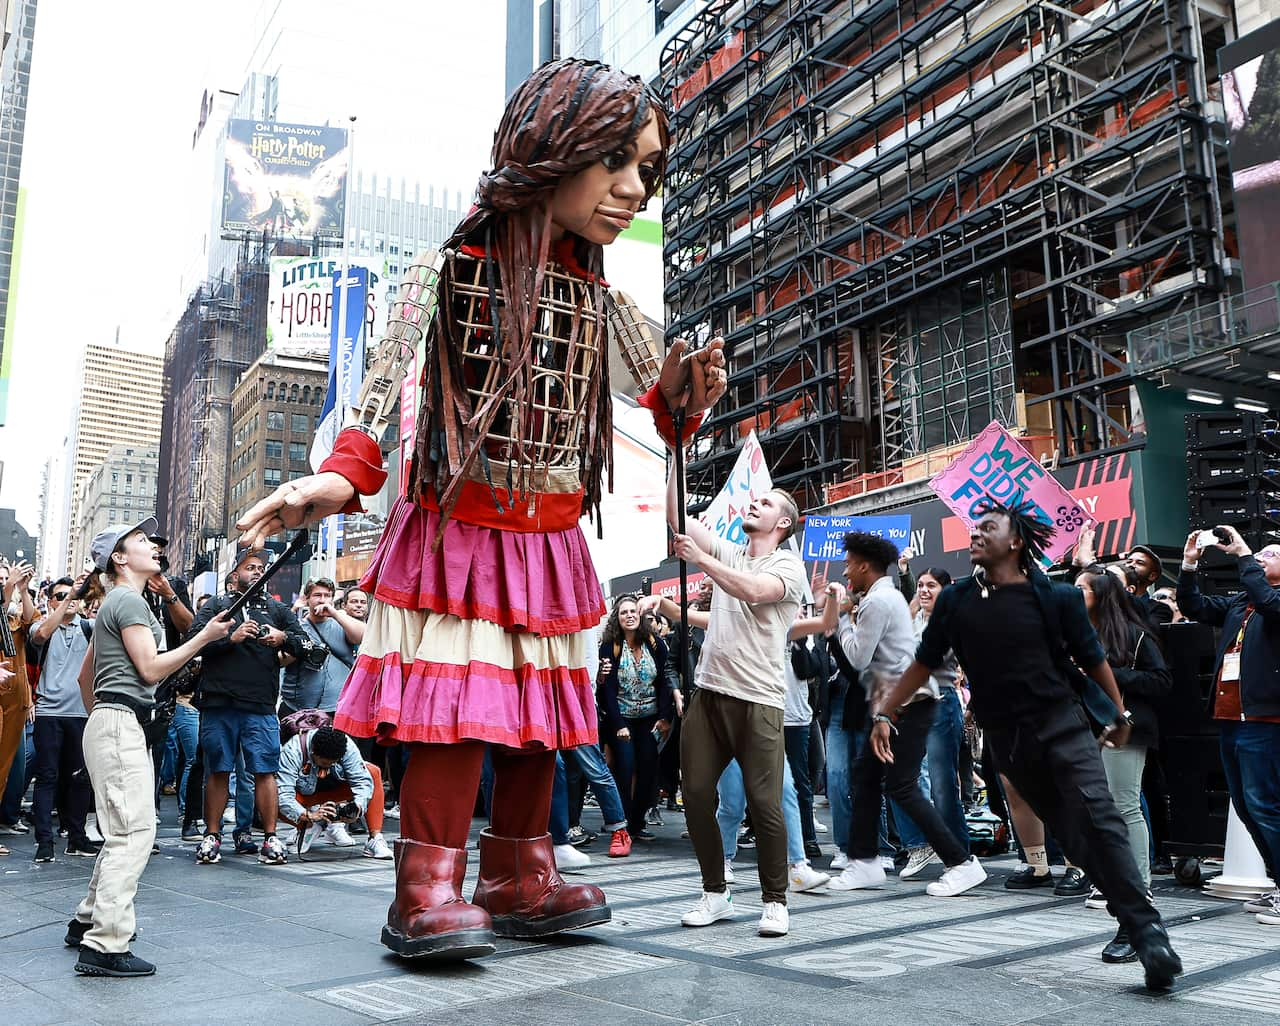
[(637, 707)]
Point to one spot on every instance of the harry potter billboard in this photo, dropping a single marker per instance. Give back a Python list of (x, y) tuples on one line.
[(287, 179)]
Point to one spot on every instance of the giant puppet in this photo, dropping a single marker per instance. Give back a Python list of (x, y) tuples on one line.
[(482, 585)]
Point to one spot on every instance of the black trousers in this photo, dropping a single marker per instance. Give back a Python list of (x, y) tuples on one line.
[(796, 740), (1056, 765), (59, 745), (870, 780)]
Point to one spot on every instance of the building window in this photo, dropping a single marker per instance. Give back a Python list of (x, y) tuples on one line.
[(273, 450), (293, 394), (271, 389), (306, 395), (298, 452), (275, 420), (299, 423), (271, 478)]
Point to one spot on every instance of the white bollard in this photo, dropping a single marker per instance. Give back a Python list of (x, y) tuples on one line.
[(1244, 874)]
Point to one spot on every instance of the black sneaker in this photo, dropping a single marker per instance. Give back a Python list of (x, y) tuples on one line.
[(643, 835), (747, 839), (812, 850), (1074, 884), (44, 851), (85, 849), (579, 837), (103, 963), (1026, 878), (1162, 866), (245, 844), (193, 831)]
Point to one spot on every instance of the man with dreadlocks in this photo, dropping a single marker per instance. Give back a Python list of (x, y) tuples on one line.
[(482, 586), (1016, 633)]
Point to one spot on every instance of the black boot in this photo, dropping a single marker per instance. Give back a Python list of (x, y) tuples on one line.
[(1157, 956), (1119, 950)]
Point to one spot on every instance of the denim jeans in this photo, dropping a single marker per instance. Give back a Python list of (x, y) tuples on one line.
[(169, 760), (1123, 767), (838, 772), (21, 772), (60, 769), (1251, 759), (602, 783), (242, 784), (591, 761), (635, 765), (797, 742), (733, 806), (185, 730), (940, 780)]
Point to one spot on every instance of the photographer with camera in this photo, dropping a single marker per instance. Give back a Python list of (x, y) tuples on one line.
[(323, 783), (239, 687), (314, 681)]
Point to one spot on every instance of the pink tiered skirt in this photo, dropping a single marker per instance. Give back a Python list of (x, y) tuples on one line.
[(482, 639)]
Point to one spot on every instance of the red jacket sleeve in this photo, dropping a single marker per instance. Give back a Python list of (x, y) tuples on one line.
[(358, 458), (656, 403)]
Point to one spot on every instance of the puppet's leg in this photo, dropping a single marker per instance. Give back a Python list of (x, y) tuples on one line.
[(429, 918), (519, 884)]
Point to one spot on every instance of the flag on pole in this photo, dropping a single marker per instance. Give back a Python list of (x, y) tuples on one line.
[(346, 349)]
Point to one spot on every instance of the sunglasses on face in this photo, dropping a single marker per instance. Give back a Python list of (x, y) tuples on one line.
[(61, 596)]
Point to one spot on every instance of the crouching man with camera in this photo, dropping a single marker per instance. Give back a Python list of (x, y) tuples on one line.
[(239, 688), (323, 782)]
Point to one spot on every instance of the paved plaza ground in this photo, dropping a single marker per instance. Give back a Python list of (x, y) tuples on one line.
[(299, 944)]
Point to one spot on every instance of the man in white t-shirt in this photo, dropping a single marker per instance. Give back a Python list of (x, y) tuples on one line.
[(737, 711)]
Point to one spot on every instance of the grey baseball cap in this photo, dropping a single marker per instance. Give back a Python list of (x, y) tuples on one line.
[(105, 541)]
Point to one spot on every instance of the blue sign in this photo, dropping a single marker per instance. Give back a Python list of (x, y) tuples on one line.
[(824, 536)]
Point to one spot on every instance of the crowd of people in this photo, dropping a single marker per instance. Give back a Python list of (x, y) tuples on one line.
[(482, 670)]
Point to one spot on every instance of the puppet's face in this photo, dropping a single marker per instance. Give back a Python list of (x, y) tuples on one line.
[(599, 202)]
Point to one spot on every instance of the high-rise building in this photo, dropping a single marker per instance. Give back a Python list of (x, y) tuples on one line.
[(19, 22), (120, 396), (53, 533), (119, 490)]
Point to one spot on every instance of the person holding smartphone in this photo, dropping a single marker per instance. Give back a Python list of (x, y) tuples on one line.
[(118, 682)]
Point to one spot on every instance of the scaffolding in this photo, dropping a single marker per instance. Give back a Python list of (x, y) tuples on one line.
[(222, 330), (909, 218)]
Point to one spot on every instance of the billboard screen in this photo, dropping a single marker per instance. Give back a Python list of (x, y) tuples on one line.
[(283, 178), (300, 302), (1251, 94)]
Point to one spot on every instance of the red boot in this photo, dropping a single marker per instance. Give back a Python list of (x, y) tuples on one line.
[(521, 890), (428, 918)]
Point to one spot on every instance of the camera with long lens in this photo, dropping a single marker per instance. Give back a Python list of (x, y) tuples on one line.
[(347, 810)]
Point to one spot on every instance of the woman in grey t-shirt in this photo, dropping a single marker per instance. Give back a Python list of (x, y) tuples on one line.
[(123, 666)]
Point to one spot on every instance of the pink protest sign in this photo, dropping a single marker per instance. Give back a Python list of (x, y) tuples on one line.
[(996, 466)]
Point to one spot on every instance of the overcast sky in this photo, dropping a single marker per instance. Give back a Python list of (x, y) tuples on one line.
[(115, 92)]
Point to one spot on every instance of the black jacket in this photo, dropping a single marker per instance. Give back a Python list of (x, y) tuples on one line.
[(663, 683), (1260, 653), (1143, 681), (245, 675), (1073, 642)]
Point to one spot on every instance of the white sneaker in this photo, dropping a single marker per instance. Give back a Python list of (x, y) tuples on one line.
[(958, 879), (728, 871), (391, 812), (774, 921), (377, 848), (804, 877), (887, 863), (314, 833), (839, 860), (859, 874), (229, 815), (336, 834), (920, 857), (569, 858), (711, 908), (819, 826), (1096, 899)]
